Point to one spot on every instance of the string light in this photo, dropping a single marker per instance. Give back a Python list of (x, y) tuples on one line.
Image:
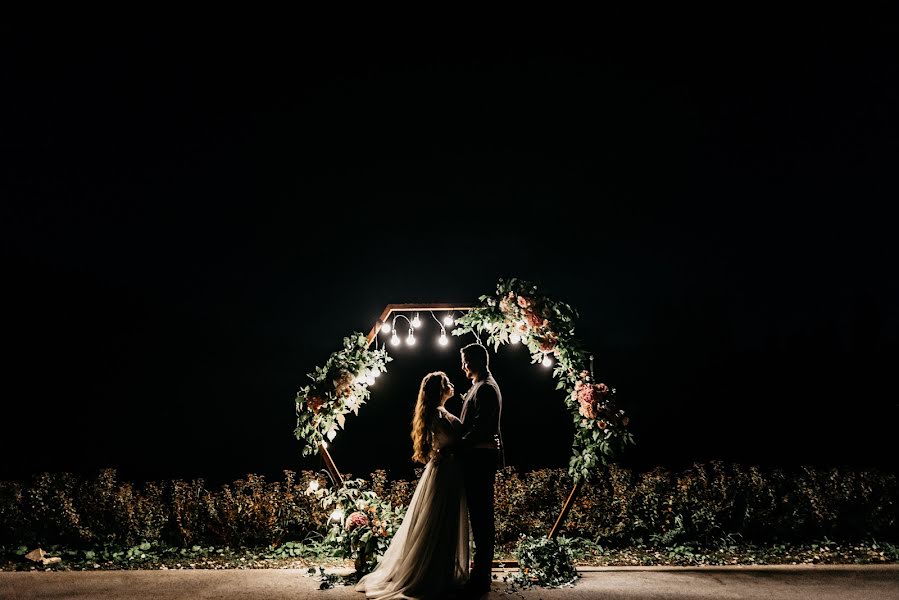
[(395, 340), (515, 338), (443, 341), (547, 361), (416, 322), (410, 341), (386, 328), (448, 320)]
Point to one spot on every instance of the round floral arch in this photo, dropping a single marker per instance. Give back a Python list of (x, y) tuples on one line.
[(517, 313)]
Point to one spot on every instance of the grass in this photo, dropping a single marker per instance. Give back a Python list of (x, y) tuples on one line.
[(311, 554)]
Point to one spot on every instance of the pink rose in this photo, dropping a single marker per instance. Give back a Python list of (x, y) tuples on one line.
[(586, 410), (523, 302), (585, 393), (357, 519), (533, 319)]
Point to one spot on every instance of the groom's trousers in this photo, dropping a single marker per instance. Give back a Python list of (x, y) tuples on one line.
[(480, 472)]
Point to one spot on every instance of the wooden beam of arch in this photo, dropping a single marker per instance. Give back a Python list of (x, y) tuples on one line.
[(392, 308)]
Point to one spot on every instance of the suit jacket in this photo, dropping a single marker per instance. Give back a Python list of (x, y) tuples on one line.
[(482, 408)]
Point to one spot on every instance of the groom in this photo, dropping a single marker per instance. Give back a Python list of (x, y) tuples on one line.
[(481, 410)]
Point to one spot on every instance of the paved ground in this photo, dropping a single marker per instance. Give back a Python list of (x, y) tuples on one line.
[(646, 583)]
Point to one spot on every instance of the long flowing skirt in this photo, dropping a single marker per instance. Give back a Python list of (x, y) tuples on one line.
[(429, 554)]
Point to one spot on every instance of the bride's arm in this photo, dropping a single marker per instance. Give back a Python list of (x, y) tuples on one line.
[(450, 418)]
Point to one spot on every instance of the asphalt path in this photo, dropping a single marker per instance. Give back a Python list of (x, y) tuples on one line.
[(816, 582)]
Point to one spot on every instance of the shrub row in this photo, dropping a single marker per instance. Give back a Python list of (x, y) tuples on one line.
[(699, 505)]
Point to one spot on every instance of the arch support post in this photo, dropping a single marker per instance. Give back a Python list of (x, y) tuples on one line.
[(567, 507)]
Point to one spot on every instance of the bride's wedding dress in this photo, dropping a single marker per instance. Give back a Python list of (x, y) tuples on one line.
[(429, 554)]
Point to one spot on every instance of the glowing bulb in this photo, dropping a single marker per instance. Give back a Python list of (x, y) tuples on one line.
[(515, 338), (448, 320), (395, 340), (443, 341), (337, 515), (547, 361), (416, 322), (313, 485), (385, 327), (411, 339)]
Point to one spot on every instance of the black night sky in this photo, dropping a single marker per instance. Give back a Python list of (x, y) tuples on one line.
[(192, 218)]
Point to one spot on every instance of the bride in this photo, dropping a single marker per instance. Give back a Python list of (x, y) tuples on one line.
[(428, 556)]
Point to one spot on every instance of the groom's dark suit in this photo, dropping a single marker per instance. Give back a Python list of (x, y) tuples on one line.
[(481, 411)]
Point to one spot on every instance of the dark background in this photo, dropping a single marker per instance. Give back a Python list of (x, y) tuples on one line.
[(194, 216)]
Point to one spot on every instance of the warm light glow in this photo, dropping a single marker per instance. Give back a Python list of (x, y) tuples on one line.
[(313, 485), (448, 320), (416, 322), (443, 341), (547, 361), (395, 340), (337, 515), (385, 327), (410, 341), (515, 338)]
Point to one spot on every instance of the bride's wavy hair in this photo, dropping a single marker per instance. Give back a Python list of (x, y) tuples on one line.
[(432, 388)]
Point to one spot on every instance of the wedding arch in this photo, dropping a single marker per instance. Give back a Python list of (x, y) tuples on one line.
[(518, 313)]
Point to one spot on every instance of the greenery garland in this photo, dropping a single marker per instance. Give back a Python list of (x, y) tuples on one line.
[(520, 311), (545, 562), (337, 388)]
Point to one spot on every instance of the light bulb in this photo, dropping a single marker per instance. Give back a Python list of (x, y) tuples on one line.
[(448, 320), (337, 515), (410, 341), (547, 361), (514, 338), (416, 322), (395, 340), (313, 485), (443, 341), (385, 327)]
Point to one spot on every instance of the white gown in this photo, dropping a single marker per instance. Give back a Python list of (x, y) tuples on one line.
[(429, 554)]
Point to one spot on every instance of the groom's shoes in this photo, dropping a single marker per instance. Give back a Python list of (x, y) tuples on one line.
[(475, 589)]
